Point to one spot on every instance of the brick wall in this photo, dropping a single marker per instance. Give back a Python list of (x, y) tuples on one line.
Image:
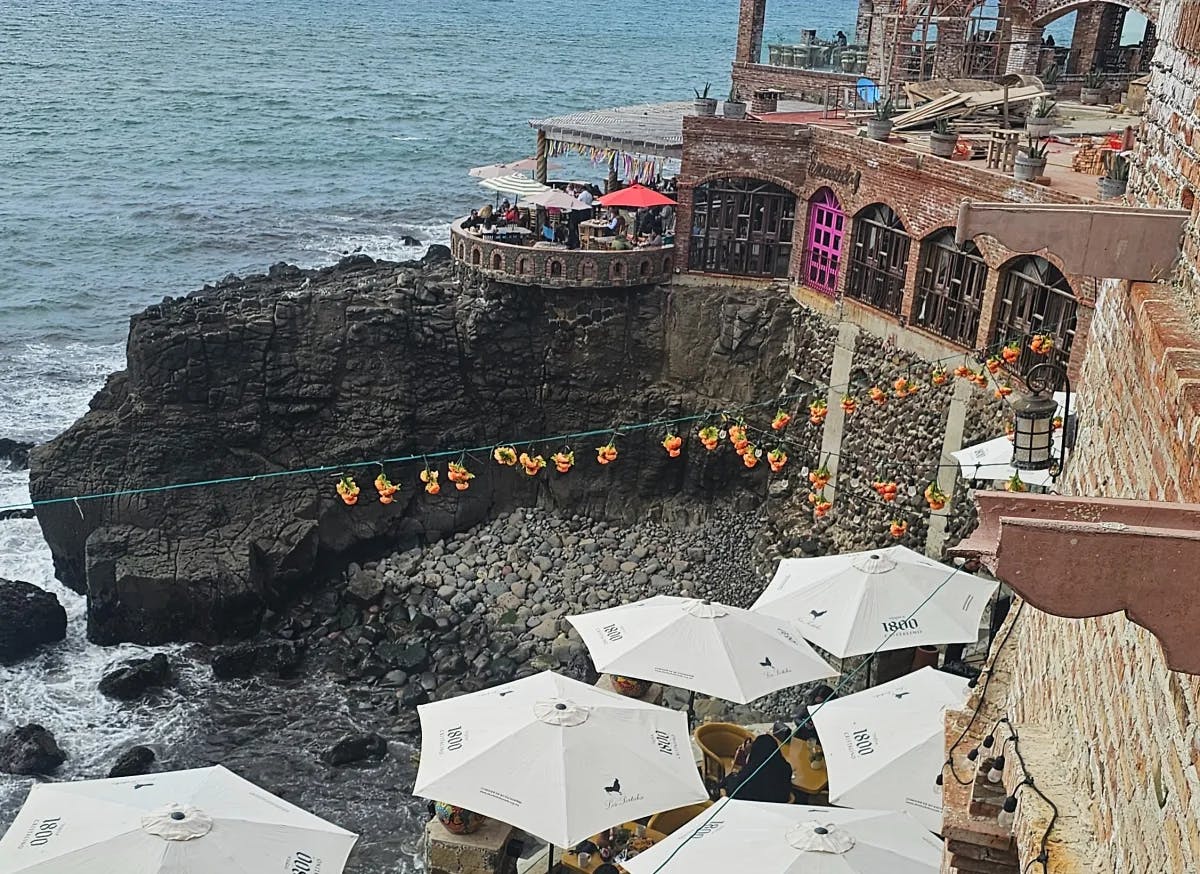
[(923, 191), (793, 82), (1125, 729)]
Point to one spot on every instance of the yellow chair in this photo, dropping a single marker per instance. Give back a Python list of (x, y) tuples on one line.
[(669, 821), (718, 742)]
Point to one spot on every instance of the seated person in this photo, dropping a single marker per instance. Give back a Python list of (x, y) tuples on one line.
[(766, 776), (617, 223), (652, 242), (472, 221), (504, 206), (607, 868), (621, 244), (512, 215), (561, 234), (486, 212)]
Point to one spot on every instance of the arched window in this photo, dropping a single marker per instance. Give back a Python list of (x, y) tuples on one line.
[(823, 250), (742, 227), (878, 259), (950, 284), (1034, 298)]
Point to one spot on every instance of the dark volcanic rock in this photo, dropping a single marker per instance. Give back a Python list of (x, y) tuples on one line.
[(16, 452), (132, 762), (29, 617), (132, 679), (369, 360), (355, 748), (30, 749), (278, 658)]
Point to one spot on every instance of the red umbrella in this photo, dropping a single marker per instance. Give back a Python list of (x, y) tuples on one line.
[(636, 197)]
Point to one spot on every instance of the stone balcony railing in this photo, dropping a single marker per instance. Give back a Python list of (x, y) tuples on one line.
[(560, 268)]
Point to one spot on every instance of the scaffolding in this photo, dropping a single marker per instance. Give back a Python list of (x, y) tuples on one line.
[(921, 46)]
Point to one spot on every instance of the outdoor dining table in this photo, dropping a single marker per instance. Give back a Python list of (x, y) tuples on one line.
[(808, 779), (570, 861), (509, 234)]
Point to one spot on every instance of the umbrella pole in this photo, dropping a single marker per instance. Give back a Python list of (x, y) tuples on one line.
[(691, 709)]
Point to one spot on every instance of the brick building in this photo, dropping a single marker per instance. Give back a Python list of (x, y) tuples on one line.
[(1106, 706), (897, 41), (868, 228)]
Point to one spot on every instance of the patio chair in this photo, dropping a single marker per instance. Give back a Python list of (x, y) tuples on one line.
[(718, 742), (669, 821)]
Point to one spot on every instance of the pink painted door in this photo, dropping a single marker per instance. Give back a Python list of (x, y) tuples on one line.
[(823, 252)]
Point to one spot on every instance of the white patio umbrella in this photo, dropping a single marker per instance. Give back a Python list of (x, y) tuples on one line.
[(765, 838), (884, 747), (491, 171), (558, 758), (707, 647), (554, 199), (992, 459), (202, 820), (514, 183), (849, 604)]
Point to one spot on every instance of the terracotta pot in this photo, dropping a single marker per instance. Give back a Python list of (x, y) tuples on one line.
[(925, 656), (629, 687), (457, 820)]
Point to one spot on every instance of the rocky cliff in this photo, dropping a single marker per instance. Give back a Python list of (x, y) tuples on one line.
[(364, 361)]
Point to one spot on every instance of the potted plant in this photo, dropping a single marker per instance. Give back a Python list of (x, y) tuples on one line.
[(1116, 175), (879, 126), (1030, 162), (705, 105), (943, 140), (1050, 77), (735, 107), (1090, 93), (1040, 118)]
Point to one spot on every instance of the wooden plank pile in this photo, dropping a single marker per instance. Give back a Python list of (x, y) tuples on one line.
[(964, 104)]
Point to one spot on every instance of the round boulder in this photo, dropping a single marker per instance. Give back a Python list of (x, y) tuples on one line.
[(132, 679), (30, 749), (29, 617), (133, 762)]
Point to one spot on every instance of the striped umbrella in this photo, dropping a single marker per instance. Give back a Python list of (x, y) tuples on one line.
[(514, 183)]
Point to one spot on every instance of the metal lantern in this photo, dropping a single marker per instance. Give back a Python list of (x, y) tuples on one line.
[(1033, 418)]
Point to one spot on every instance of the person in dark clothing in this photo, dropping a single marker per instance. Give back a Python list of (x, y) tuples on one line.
[(767, 776)]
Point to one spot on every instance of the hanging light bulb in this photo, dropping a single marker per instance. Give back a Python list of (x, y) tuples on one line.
[(988, 741), (1006, 816), (996, 774), (940, 779), (973, 755)]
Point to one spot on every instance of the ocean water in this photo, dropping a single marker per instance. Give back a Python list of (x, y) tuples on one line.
[(149, 147)]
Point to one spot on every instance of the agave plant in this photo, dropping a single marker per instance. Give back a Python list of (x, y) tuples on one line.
[(1043, 107), (1093, 79), (703, 95), (885, 109)]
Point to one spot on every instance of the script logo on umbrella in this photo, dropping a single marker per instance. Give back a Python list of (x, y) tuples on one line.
[(771, 669), (618, 796)]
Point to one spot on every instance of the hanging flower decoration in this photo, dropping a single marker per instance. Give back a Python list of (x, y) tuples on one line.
[(563, 461), (979, 378), (964, 372), (782, 419), (749, 456), (1011, 353), (386, 488), (905, 387), (673, 443), (820, 477), (607, 453), (878, 395), (347, 489), (1002, 391), (898, 528), (710, 437), (533, 464), (994, 363), (737, 436), (939, 376), (777, 458), (821, 504), (887, 490), (817, 411), (849, 405), (1058, 422), (1015, 484), (935, 497), (1009, 431), (459, 475), (430, 478), (505, 455), (1041, 344)]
